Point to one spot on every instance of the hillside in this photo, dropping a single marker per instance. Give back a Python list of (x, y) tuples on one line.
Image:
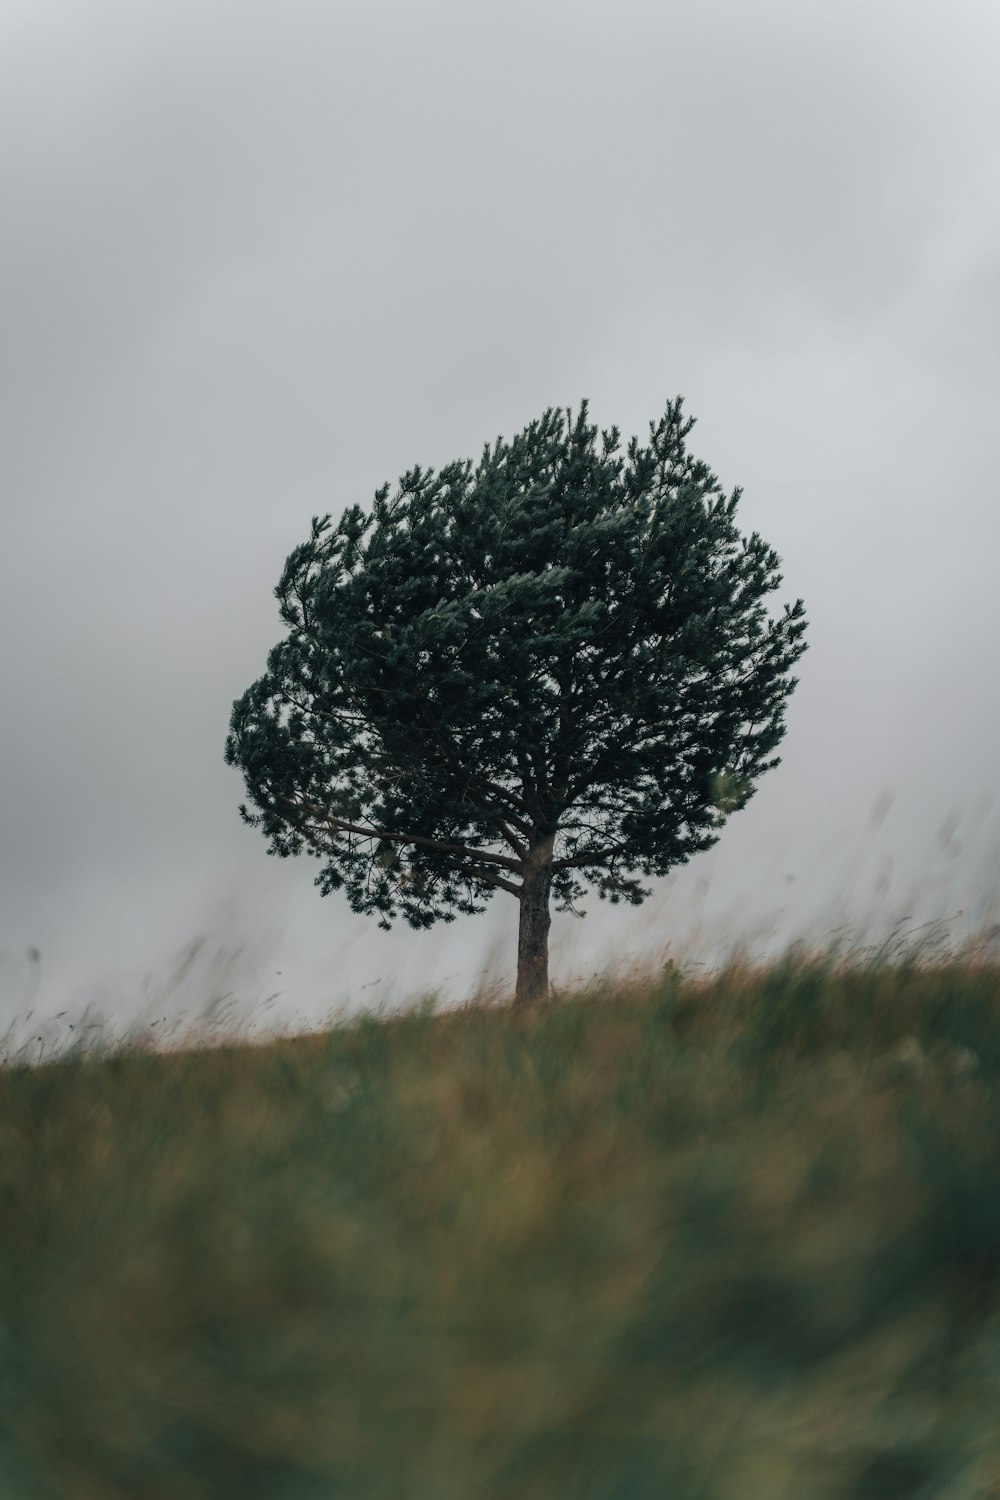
[(721, 1240)]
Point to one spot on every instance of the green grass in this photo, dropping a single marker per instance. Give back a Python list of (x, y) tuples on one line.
[(730, 1239)]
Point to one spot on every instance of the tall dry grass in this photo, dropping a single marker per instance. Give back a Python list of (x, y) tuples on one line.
[(728, 1237)]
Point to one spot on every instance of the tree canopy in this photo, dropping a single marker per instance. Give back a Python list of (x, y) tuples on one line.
[(551, 671)]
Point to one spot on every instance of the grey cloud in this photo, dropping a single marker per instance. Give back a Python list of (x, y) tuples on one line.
[(258, 259)]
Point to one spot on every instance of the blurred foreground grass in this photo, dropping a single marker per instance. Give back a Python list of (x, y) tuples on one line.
[(725, 1240)]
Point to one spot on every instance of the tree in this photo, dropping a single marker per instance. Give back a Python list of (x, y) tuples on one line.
[(549, 673)]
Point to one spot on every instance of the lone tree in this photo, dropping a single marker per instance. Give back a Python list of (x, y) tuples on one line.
[(545, 674)]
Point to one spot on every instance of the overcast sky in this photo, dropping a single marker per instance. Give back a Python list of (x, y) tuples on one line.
[(259, 258)]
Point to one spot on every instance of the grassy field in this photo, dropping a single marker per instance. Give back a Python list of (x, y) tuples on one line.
[(726, 1239)]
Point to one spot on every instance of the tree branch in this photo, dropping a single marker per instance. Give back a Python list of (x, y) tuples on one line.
[(596, 770), (438, 846), (458, 770), (596, 857)]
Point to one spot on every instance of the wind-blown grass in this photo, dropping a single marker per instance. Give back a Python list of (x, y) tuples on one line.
[(733, 1238)]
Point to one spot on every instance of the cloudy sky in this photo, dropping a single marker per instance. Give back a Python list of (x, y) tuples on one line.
[(259, 258)]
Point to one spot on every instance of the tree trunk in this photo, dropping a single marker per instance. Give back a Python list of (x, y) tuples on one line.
[(533, 928)]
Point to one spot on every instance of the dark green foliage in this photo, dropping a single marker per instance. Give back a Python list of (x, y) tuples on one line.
[(558, 643)]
